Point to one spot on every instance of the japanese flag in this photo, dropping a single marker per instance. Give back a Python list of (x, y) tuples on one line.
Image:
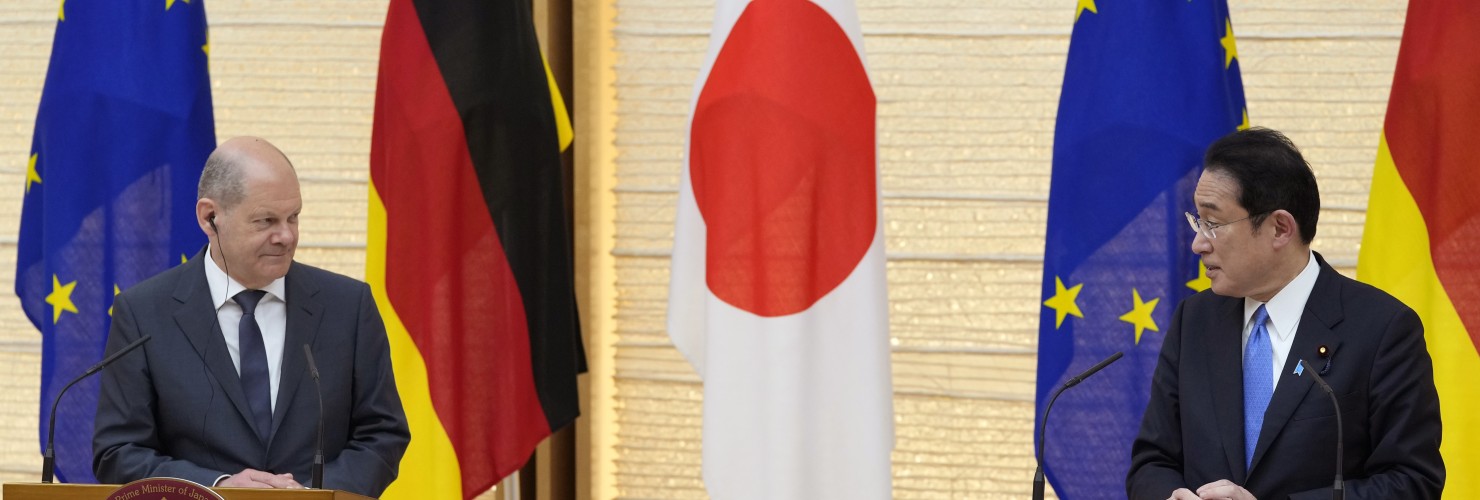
[(777, 295)]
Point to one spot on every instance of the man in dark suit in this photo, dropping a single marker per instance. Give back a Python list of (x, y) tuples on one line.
[(1231, 414), (221, 394)]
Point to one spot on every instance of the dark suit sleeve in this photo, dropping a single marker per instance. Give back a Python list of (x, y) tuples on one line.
[(1405, 423), (1157, 454), (126, 442), (378, 430)]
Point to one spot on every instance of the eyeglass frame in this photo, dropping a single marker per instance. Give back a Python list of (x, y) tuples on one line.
[(1208, 229)]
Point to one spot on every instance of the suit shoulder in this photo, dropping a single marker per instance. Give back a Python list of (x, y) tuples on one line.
[(165, 282), (1367, 303), (1365, 292), (328, 280)]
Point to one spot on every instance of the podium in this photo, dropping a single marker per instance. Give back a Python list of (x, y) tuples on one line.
[(59, 491)]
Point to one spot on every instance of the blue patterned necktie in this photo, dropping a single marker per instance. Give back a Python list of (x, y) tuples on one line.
[(255, 379), (1258, 382)]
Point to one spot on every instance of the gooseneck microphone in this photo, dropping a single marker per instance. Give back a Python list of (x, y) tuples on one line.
[(1338, 489), (48, 459), (1043, 426), (318, 452)]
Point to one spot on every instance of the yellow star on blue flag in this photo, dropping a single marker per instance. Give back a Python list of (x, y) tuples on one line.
[(1202, 281), (1084, 5), (1063, 303), (60, 298), (1140, 314)]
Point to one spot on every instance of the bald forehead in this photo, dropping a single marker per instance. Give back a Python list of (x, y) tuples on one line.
[(253, 149), (234, 162)]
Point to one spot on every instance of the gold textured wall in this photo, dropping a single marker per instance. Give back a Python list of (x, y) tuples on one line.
[(967, 92)]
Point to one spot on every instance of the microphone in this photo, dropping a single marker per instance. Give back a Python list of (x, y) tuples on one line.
[(48, 459), (318, 455), (1043, 427), (1338, 489), (1091, 371)]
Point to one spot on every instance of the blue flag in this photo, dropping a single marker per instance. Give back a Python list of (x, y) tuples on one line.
[(123, 129), (1148, 86)]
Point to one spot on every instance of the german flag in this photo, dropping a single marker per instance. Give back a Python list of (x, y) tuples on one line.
[(1423, 217), (469, 248)]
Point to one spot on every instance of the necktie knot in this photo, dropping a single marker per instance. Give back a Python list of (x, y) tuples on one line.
[(248, 299), (1260, 316)]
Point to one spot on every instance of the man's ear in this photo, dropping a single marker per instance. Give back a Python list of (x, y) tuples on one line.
[(205, 215), (1286, 230)]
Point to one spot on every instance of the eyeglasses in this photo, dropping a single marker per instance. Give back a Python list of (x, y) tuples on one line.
[(1209, 229)]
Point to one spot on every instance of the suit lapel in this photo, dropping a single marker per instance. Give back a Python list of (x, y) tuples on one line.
[(305, 311), (196, 317), (1225, 358), (1322, 313)]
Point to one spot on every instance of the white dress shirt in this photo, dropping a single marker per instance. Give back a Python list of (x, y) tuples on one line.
[(1285, 310), (271, 313)]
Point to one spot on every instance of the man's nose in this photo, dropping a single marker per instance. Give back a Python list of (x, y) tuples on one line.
[(283, 235), (1201, 244)]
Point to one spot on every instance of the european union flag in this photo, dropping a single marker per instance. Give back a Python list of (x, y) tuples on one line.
[(1148, 86), (124, 127)]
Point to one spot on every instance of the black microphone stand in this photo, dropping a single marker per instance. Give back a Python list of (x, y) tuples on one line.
[(48, 459), (318, 455), (1043, 427), (1338, 489)]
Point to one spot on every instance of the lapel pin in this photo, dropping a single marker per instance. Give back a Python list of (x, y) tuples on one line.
[(1300, 368), (1324, 351)]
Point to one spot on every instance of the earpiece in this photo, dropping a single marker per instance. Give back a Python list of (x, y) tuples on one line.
[(212, 221)]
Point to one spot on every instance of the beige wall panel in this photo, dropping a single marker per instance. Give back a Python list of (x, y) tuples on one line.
[(959, 447)]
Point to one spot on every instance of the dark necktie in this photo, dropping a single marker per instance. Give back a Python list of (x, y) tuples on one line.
[(255, 379)]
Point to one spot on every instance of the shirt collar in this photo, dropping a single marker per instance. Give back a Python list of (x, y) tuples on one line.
[(223, 287), (1286, 307)]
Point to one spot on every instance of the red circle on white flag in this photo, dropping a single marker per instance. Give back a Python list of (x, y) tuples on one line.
[(782, 159)]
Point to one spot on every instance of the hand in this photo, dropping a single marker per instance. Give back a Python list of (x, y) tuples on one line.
[(1224, 489), (253, 478), (1183, 494)]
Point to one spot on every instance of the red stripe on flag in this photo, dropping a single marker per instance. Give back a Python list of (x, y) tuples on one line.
[(446, 271), (1432, 117)]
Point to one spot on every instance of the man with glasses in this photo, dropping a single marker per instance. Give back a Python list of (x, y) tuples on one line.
[(1231, 414)]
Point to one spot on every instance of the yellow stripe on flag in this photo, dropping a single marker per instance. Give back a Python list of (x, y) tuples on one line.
[(562, 117), (430, 468), (1395, 257)]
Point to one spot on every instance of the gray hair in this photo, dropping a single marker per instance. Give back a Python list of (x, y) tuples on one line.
[(221, 180)]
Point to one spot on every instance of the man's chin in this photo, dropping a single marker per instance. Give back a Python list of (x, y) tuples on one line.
[(274, 271), (1221, 288)]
